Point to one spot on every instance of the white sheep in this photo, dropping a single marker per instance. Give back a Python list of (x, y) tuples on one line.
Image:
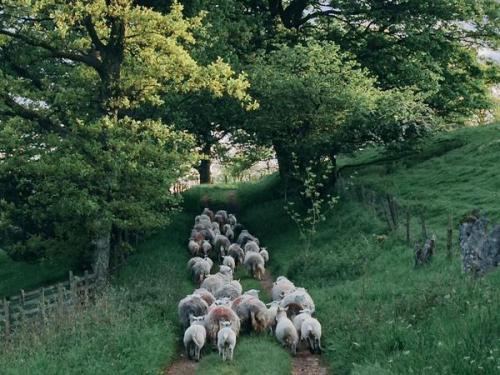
[(214, 282), (311, 334), (221, 245), (201, 269), (218, 314), (193, 305), (244, 237), (228, 232), (285, 331), (237, 253), (272, 311), (299, 319), (205, 295), (297, 300), (252, 246), (193, 247), (231, 290), (226, 341), (195, 337), (229, 261), (281, 287), (254, 263), (206, 247), (232, 220), (251, 311), (208, 212), (265, 255)]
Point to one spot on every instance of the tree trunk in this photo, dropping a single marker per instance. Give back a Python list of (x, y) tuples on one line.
[(204, 170)]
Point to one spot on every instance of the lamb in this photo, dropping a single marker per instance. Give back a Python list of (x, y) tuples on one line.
[(226, 341), (192, 304), (254, 263), (205, 295), (296, 301), (281, 287), (311, 334), (299, 319), (209, 213), (237, 253), (221, 245), (285, 331), (193, 247), (251, 311), (206, 247), (244, 237), (272, 311), (230, 290), (229, 261), (252, 246), (232, 220), (195, 337), (219, 314), (265, 255)]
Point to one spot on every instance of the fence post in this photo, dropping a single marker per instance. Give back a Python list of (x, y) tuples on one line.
[(60, 299), (42, 306), (450, 236), (6, 312), (86, 287), (408, 227), (424, 227), (21, 307)]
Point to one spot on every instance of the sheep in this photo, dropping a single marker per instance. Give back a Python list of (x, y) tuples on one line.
[(216, 227), (285, 331), (232, 220), (218, 314), (192, 304), (197, 236), (244, 237), (192, 261), (195, 337), (254, 263), (251, 311), (209, 213), (230, 290), (223, 214), (201, 269), (237, 253), (193, 247), (204, 220), (299, 319), (226, 271), (251, 246), (272, 310), (281, 287), (297, 300), (228, 232), (265, 255), (206, 247), (205, 295), (219, 219), (221, 245), (226, 341), (311, 334), (229, 261), (214, 282)]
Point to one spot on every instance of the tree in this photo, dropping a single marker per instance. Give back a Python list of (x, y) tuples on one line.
[(76, 164), (428, 44), (316, 102)]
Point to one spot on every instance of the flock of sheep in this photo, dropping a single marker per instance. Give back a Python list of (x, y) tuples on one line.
[(219, 309)]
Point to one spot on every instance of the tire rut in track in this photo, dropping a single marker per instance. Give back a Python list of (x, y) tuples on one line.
[(304, 363)]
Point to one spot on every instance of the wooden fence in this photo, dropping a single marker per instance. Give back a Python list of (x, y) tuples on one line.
[(387, 208), (40, 304)]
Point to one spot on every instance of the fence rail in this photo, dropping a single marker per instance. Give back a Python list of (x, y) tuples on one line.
[(38, 304)]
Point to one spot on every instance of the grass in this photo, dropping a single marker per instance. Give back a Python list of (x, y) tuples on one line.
[(380, 315)]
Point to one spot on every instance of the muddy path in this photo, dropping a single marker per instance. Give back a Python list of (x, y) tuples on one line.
[(304, 363), (182, 366)]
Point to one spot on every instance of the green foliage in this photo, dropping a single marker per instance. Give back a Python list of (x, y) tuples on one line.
[(315, 202)]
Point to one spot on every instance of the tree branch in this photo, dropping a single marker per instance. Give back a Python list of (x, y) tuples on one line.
[(87, 59)]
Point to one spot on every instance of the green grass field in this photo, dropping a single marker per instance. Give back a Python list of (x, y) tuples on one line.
[(380, 315)]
